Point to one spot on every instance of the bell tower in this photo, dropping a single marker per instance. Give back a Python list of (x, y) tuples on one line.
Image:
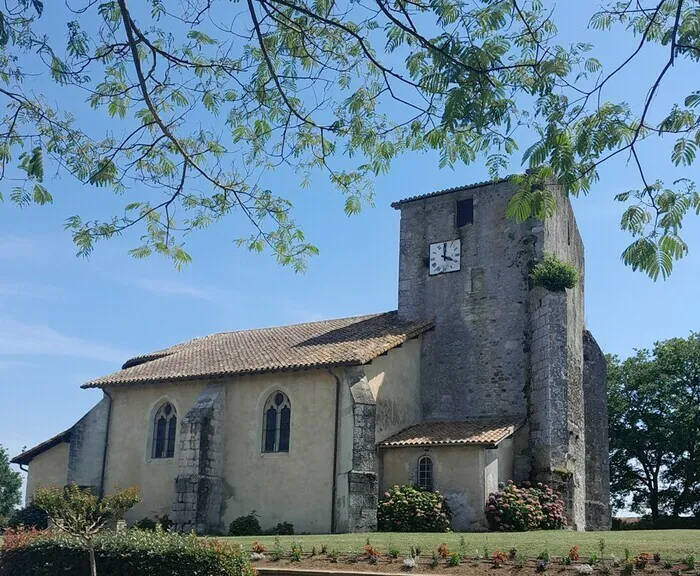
[(465, 265), (500, 345)]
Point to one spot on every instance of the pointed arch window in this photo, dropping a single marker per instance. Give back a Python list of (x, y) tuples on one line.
[(164, 431), (276, 423), (425, 473)]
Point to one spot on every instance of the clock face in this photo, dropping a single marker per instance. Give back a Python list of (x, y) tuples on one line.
[(444, 257)]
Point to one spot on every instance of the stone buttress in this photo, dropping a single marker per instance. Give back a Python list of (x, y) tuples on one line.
[(198, 485)]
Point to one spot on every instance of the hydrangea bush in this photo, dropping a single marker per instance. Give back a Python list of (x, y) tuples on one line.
[(517, 508), (412, 509)]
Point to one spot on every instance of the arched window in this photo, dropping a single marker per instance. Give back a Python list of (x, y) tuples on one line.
[(425, 473), (164, 431), (276, 420)]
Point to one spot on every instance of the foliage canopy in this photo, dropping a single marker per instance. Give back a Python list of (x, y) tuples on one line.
[(10, 485), (194, 100), (654, 418)]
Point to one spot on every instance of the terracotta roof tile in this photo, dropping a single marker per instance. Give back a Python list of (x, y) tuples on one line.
[(475, 431), (339, 342)]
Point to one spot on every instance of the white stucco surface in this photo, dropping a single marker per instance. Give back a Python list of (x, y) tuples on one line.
[(48, 469)]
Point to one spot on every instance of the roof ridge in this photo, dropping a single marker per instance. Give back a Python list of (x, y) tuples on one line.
[(295, 324)]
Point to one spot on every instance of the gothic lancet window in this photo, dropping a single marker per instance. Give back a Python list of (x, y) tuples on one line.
[(164, 431), (425, 473), (276, 423)]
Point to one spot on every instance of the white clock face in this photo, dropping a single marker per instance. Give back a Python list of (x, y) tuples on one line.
[(444, 257)]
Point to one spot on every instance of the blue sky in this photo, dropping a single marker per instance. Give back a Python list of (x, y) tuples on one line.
[(64, 320)]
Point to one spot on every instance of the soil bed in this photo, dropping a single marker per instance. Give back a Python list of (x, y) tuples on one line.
[(322, 564)]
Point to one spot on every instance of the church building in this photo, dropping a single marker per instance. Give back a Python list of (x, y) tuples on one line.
[(478, 378)]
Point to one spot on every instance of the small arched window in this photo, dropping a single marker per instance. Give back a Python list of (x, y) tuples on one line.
[(276, 420), (425, 473), (164, 431)]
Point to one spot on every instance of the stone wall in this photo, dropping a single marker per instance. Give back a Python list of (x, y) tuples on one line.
[(87, 446), (362, 478), (557, 440), (597, 453), (500, 347), (474, 363), (197, 501)]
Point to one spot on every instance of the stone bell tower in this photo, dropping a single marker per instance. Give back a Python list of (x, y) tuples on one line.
[(501, 346)]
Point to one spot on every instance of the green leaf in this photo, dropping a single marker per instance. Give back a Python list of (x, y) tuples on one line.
[(41, 195)]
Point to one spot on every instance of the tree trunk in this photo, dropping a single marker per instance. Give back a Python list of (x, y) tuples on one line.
[(93, 564), (653, 505)]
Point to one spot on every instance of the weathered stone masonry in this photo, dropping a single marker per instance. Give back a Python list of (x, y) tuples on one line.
[(87, 447), (362, 478), (597, 455), (197, 501), (500, 347), (555, 402)]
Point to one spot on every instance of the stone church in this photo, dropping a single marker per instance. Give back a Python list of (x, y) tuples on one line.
[(477, 378)]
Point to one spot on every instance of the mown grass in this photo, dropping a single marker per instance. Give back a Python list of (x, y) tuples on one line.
[(671, 544)]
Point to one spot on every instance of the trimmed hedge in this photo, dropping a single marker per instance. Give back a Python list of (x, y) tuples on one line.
[(126, 553)]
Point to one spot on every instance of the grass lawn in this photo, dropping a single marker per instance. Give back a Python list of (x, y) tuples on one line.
[(671, 544)]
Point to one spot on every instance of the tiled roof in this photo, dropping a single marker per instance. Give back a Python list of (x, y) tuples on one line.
[(474, 431), (340, 342), (447, 191), (26, 457)]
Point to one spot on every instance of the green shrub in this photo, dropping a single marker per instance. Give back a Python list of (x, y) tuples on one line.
[(554, 274), (29, 517), (4, 522), (146, 524), (151, 523), (125, 553), (455, 559), (411, 509), (283, 529), (245, 526)]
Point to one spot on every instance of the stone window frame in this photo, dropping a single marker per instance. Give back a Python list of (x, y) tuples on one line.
[(428, 473), (150, 427), (270, 400)]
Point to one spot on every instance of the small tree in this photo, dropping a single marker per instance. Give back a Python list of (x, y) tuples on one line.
[(79, 512), (10, 485)]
